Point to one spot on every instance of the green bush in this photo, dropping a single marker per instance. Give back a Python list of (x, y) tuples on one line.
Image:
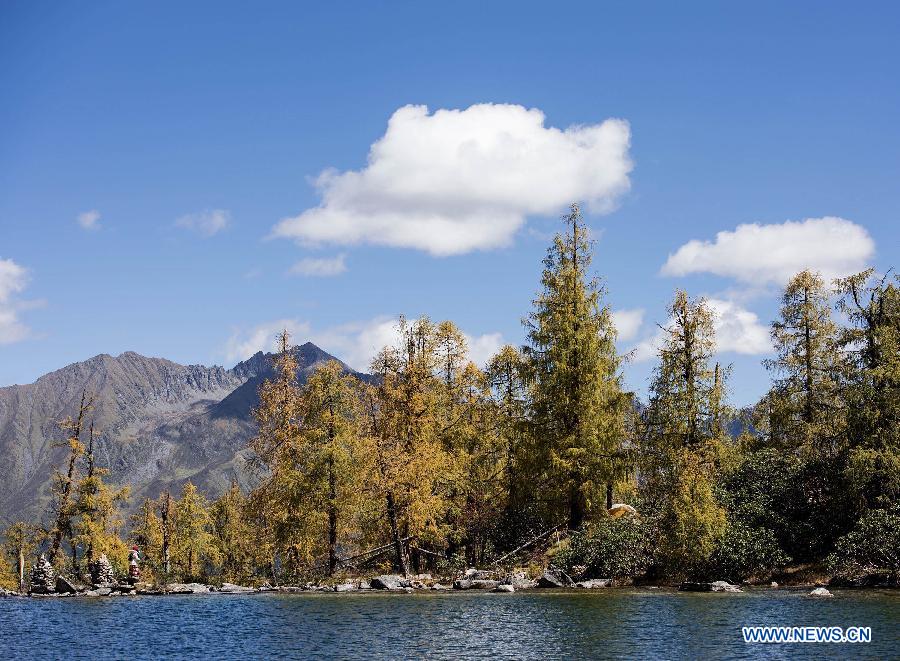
[(872, 547), (743, 551), (611, 548), (802, 501)]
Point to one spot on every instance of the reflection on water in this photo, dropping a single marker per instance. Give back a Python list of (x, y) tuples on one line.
[(658, 624)]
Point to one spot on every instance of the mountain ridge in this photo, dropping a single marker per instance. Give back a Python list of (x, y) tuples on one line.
[(159, 424)]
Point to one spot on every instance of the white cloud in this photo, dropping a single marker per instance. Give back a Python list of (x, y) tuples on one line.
[(355, 343), (13, 280), (89, 220), (205, 223), (628, 322), (737, 329), (774, 253), (319, 267), (455, 181), (484, 347)]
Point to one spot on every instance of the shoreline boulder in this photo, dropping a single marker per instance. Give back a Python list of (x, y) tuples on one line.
[(715, 586), (65, 586), (389, 582), (821, 592), (553, 579), (186, 588), (594, 583)]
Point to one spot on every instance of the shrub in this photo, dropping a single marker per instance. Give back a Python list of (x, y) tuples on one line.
[(873, 546), (743, 551), (611, 548)]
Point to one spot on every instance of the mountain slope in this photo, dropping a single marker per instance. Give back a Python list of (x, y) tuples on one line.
[(158, 424)]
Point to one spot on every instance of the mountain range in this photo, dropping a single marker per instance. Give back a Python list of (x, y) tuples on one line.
[(158, 424)]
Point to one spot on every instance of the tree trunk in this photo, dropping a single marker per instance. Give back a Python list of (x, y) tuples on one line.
[(609, 495), (166, 540), (62, 515), (21, 569), (332, 519), (807, 344), (576, 507), (400, 556)]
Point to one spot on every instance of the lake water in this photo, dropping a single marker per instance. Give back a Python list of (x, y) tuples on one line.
[(616, 623)]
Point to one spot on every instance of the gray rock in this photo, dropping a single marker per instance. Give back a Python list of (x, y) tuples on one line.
[(715, 586), (504, 587), (820, 592), (389, 582), (519, 580), (484, 584), (365, 585), (773, 584), (231, 588), (475, 584), (438, 586), (345, 587), (65, 586), (478, 574), (595, 583), (553, 579), (186, 588)]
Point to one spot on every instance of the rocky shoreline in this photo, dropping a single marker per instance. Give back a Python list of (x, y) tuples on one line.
[(472, 580)]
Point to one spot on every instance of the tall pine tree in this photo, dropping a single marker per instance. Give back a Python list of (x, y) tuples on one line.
[(577, 399)]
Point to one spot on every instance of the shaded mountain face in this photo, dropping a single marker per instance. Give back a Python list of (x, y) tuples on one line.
[(158, 424)]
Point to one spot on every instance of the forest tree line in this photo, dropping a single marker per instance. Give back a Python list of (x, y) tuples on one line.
[(438, 464)]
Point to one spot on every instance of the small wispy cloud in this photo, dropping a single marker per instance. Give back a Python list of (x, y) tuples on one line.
[(356, 343), (13, 280), (206, 223), (737, 329), (628, 322), (322, 267), (89, 220)]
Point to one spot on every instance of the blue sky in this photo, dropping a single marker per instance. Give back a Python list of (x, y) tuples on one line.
[(150, 151)]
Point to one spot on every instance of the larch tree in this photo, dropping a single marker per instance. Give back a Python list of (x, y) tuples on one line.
[(20, 540), (280, 502), (147, 534), (96, 510), (577, 402), (507, 376), (193, 545), (336, 455), (804, 408), (233, 535), (871, 385), (404, 416), (683, 437), (65, 483)]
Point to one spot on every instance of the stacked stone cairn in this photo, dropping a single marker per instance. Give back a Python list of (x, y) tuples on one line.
[(102, 572), (43, 578)]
